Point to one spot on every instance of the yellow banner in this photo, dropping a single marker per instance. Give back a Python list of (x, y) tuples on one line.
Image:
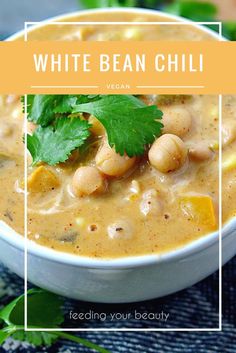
[(118, 67)]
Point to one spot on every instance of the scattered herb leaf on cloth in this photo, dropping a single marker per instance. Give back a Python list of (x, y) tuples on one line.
[(44, 311)]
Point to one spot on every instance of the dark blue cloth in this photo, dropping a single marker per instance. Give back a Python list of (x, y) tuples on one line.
[(194, 307)]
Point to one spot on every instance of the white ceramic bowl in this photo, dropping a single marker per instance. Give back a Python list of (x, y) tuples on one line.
[(122, 280)]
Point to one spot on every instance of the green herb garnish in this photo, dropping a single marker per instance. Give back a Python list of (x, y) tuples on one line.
[(130, 124), (108, 3), (54, 143), (194, 10), (44, 311)]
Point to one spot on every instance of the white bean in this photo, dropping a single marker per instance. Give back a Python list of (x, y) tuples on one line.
[(177, 120), (121, 229), (168, 153), (201, 152), (111, 163), (150, 205), (87, 180)]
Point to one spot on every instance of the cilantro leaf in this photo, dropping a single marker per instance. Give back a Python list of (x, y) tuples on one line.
[(42, 305), (109, 3), (129, 123), (37, 338), (40, 108), (68, 102), (4, 334), (194, 10), (44, 308), (44, 311), (229, 30), (54, 144), (65, 104)]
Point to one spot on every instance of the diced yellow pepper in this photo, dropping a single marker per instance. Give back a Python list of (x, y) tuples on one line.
[(199, 208), (229, 163), (42, 180)]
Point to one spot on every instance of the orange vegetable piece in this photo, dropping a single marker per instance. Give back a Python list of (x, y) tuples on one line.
[(199, 208), (42, 180)]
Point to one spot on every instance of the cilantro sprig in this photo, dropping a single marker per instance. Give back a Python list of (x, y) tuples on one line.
[(130, 124), (54, 143), (44, 310)]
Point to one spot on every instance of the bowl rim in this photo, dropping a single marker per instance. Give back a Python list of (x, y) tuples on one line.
[(14, 239), (134, 10), (182, 252)]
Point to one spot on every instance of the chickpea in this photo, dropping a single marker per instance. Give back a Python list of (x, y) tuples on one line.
[(86, 181), (121, 229), (228, 132), (111, 163), (168, 153), (177, 120), (200, 152)]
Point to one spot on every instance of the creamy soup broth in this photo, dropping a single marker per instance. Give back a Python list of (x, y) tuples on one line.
[(144, 210)]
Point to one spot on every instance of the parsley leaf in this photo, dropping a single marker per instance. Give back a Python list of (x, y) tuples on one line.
[(129, 123), (54, 143)]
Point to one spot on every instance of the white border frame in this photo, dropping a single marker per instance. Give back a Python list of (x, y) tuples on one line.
[(219, 328)]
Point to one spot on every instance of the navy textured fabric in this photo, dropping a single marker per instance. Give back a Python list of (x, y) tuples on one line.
[(194, 307)]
